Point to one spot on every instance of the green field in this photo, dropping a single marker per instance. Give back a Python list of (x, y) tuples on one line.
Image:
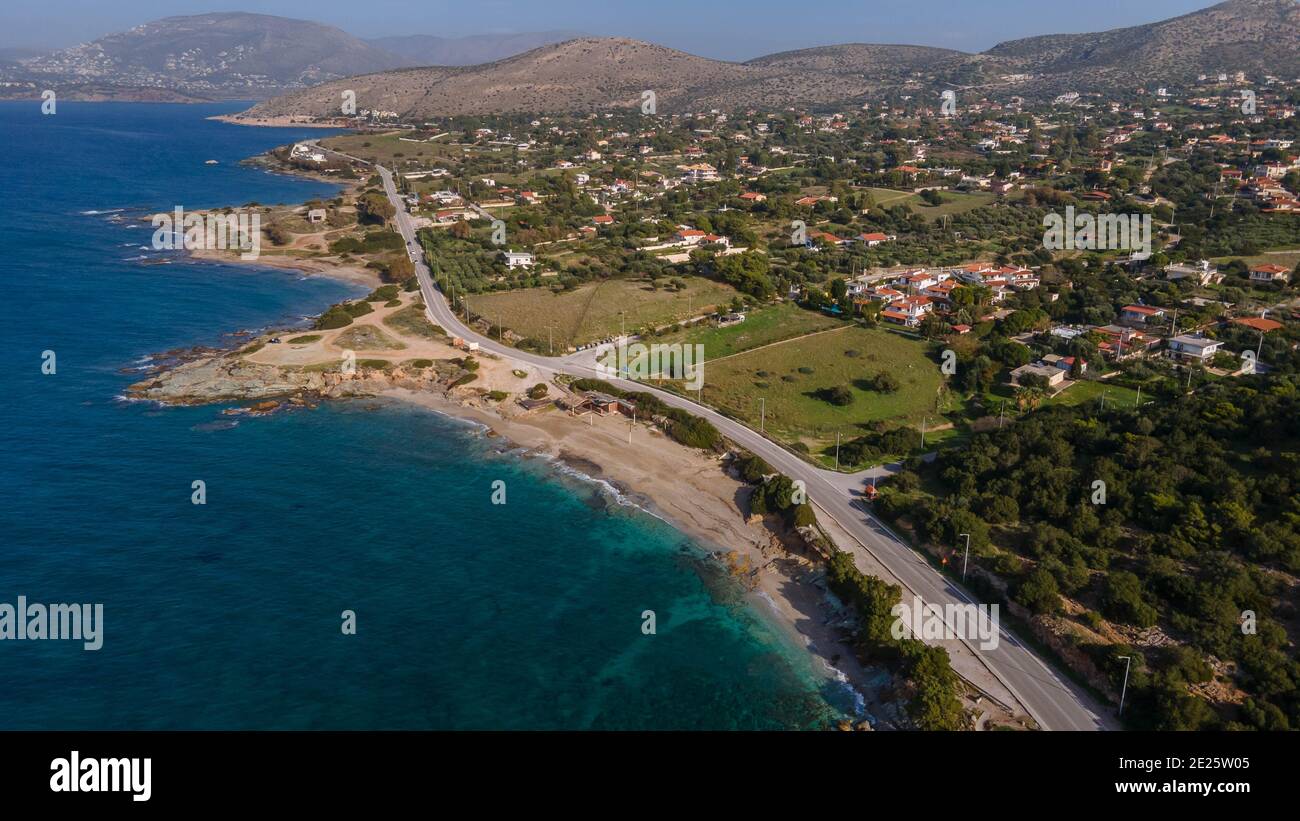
[(955, 202), (596, 310), (1085, 391), (795, 411), (1288, 259), (386, 148), (761, 327)]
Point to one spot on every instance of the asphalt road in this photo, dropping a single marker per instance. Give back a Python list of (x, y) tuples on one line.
[(1053, 701)]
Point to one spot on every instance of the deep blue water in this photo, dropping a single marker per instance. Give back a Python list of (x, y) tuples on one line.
[(227, 615)]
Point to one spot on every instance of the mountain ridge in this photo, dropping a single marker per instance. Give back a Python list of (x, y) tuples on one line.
[(590, 74)]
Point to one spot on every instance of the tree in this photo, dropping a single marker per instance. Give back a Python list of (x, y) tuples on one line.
[(1121, 600), (375, 207), (839, 395), (1039, 592)]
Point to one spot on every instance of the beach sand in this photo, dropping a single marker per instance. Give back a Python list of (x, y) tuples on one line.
[(691, 490), (272, 122), (357, 274)]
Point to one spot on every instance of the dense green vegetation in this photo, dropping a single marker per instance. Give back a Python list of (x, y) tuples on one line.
[(1194, 528), (934, 704)]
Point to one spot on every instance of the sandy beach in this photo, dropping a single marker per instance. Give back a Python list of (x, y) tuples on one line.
[(692, 491), (357, 274), (272, 122)]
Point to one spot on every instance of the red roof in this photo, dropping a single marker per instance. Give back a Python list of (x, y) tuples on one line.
[(1258, 323), (1143, 309)]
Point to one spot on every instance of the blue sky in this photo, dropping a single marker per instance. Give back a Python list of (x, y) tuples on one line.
[(723, 29)]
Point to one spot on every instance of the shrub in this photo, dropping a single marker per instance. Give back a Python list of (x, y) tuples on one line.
[(383, 293), (804, 516), (538, 391), (695, 432), (1038, 592), (335, 317), (839, 395), (885, 382), (753, 468), (1122, 600)]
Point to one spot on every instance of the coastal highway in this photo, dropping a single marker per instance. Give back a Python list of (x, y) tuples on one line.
[(1053, 701)]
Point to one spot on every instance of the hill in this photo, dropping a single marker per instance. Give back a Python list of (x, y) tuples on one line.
[(427, 50), (215, 55), (1259, 37), (1254, 36)]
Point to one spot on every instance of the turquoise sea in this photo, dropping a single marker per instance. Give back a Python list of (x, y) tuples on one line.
[(227, 615)]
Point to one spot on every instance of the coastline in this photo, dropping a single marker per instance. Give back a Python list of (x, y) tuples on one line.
[(355, 274), (271, 122), (693, 492), (689, 489)]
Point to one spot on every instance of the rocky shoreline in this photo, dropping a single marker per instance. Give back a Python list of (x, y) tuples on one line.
[(229, 378)]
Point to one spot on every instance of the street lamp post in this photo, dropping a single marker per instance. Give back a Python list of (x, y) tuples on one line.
[(966, 556), (1123, 690)]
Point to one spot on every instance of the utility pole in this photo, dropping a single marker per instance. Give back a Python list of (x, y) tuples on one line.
[(1001, 413), (923, 421), (550, 345), (1138, 402), (1103, 399), (966, 556), (837, 450), (762, 414), (1124, 689)]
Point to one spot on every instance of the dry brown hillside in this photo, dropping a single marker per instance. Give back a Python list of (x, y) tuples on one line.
[(1255, 36)]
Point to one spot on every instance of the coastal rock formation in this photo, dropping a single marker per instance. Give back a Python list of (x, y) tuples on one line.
[(229, 379)]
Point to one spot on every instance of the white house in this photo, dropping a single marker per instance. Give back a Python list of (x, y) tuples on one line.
[(519, 259), (1193, 347), (1269, 273)]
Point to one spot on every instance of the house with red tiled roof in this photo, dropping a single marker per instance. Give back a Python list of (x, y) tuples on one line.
[(1258, 323), (873, 239), (815, 237), (810, 201), (1141, 314), (1269, 273)]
